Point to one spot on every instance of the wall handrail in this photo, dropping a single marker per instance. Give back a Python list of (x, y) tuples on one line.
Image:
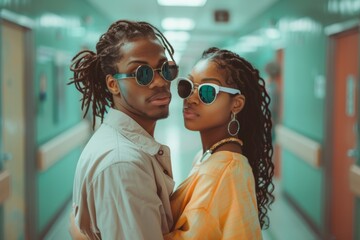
[(55, 149), (354, 179), (300, 145), (4, 186)]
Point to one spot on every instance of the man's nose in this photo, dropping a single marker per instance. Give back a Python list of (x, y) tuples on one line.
[(158, 81)]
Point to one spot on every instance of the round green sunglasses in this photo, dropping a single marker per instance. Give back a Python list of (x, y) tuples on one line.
[(144, 74)]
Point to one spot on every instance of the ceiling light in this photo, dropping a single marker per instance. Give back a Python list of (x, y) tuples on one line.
[(178, 24), (252, 41), (187, 3), (272, 33), (180, 36), (53, 20)]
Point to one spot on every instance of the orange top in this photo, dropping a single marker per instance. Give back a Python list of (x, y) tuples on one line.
[(217, 201)]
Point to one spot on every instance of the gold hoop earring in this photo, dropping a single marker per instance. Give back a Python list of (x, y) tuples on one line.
[(233, 120)]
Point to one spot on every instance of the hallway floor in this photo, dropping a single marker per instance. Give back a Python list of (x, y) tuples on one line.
[(285, 223)]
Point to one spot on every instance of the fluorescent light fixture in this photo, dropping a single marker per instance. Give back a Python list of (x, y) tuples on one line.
[(252, 41), (304, 25), (272, 33), (243, 48), (186, 3), (180, 36), (185, 24), (344, 7), (53, 20)]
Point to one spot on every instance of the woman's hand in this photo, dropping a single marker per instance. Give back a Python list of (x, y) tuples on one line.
[(75, 232)]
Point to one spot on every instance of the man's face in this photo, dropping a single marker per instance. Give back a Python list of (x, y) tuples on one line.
[(143, 103)]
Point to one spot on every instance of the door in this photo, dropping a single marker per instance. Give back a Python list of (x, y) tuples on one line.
[(13, 126), (344, 140)]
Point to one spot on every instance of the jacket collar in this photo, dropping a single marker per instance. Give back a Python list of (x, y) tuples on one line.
[(130, 129)]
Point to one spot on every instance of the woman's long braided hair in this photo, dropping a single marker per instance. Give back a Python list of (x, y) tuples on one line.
[(255, 122), (90, 68)]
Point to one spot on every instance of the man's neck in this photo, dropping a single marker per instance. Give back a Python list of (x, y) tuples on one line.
[(147, 124)]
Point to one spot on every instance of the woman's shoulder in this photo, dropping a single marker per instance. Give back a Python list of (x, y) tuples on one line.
[(223, 162)]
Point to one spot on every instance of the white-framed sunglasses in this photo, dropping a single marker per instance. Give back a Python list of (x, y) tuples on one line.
[(207, 91)]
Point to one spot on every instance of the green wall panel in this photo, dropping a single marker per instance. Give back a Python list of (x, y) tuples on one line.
[(306, 190), (305, 61), (55, 187)]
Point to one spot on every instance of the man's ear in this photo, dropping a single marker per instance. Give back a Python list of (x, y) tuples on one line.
[(112, 85), (238, 103)]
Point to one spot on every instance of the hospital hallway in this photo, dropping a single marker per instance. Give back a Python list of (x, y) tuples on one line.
[(307, 53)]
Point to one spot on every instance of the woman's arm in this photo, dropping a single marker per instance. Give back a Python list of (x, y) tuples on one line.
[(74, 231)]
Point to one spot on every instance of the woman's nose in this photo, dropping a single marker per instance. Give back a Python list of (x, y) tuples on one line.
[(194, 96)]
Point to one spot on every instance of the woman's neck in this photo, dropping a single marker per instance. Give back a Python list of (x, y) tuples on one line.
[(208, 140)]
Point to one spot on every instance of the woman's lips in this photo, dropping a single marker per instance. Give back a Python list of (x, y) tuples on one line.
[(190, 113)]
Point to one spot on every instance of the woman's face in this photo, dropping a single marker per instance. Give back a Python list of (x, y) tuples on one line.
[(215, 116)]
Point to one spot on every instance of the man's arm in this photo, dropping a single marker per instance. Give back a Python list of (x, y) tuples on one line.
[(126, 203)]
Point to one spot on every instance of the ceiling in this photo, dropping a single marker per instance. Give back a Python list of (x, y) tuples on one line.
[(206, 33)]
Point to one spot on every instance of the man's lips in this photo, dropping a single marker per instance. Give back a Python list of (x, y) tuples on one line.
[(159, 99)]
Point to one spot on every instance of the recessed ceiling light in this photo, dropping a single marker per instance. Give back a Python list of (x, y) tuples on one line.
[(188, 3), (185, 24)]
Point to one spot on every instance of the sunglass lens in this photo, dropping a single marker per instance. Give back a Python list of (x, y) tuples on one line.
[(169, 70), (144, 75), (207, 94), (184, 88)]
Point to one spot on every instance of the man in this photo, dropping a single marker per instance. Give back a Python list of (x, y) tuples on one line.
[(123, 179)]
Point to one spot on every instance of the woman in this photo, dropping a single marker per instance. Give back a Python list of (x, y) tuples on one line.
[(230, 186)]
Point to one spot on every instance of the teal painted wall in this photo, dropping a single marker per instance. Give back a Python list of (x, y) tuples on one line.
[(305, 189), (79, 26), (55, 187), (304, 113), (305, 57)]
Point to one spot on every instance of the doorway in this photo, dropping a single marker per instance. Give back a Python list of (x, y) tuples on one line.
[(342, 117), (17, 138)]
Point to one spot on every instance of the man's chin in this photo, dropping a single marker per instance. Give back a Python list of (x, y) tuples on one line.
[(160, 115)]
